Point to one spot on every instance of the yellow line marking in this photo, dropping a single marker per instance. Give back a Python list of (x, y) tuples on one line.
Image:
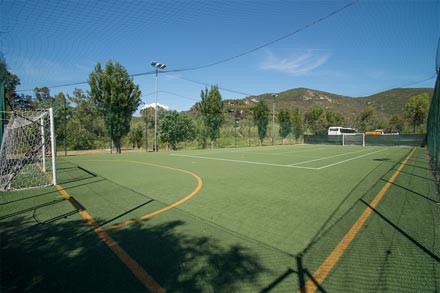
[(132, 265), (321, 273), (173, 205)]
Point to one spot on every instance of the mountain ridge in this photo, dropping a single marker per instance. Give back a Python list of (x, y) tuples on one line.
[(386, 103)]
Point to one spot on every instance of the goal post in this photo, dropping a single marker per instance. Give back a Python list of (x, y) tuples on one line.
[(353, 139), (28, 150)]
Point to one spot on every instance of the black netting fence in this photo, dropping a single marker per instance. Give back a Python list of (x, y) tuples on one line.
[(393, 251), (368, 140), (433, 127)]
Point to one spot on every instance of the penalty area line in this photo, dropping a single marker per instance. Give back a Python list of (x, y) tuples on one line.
[(347, 160), (324, 158), (244, 162)]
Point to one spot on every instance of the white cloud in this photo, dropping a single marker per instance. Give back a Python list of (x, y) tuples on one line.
[(153, 105), (300, 62)]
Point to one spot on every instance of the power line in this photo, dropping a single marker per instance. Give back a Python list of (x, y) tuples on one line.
[(228, 58), (178, 95), (266, 44), (207, 84), (171, 93)]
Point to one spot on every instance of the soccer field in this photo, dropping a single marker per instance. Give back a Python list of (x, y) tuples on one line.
[(261, 219)]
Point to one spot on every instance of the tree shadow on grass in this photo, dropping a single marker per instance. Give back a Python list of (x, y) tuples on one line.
[(187, 263), (50, 257)]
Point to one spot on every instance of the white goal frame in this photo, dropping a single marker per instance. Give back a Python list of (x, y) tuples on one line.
[(28, 150), (353, 135)]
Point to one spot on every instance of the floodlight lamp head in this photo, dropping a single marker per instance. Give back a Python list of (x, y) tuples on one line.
[(274, 95), (161, 66), (153, 63)]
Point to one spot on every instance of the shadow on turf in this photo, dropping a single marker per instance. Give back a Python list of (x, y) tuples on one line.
[(46, 258), (392, 252), (403, 233), (33, 208), (11, 197)]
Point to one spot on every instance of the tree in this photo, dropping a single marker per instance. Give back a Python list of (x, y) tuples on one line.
[(211, 108), (297, 122), (85, 128), (116, 97), (86, 113), (148, 115), (367, 120), (416, 110), (12, 98), (396, 123), (285, 120), (43, 97), (135, 136), (260, 114), (58, 115), (333, 118), (318, 120), (315, 120), (176, 128)]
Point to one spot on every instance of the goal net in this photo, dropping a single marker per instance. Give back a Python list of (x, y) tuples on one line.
[(354, 139), (27, 153)]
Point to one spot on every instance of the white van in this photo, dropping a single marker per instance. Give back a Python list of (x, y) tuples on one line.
[(338, 130)]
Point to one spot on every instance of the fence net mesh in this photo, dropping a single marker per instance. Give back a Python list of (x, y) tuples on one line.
[(433, 126)]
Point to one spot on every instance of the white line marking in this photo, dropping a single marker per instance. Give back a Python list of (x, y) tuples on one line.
[(246, 162), (320, 168), (285, 166), (295, 151), (324, 158)]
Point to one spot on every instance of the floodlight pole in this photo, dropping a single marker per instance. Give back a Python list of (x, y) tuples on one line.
[(157, 66), (65, 123), (155, 117), (146, 129), (273, 118)]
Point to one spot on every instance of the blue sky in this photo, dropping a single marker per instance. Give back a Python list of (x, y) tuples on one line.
[(365, 48)]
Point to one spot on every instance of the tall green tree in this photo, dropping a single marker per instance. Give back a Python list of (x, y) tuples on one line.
[(260, 115), (285, 120), (315, 120), (12, 98), (396, 123), (58, 115), (176, 128), (135, 136), (367, 120), (148, 115), (116, 97), (297, 122), (333, 118), (416, 110), (318, 120), (211, 108), (85, 127), (43, 97)]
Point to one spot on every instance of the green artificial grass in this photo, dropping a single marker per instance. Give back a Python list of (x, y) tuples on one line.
[(264, 219)]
